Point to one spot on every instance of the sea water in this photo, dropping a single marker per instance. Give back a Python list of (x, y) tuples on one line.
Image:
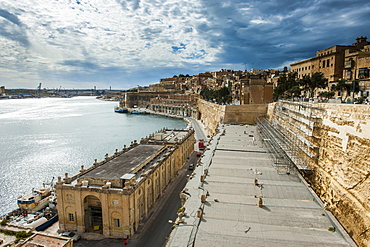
[(48, 137)]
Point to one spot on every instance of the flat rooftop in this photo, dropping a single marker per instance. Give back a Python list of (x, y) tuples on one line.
[(168, 136), (290, 214), (114, 169), (40, 240)]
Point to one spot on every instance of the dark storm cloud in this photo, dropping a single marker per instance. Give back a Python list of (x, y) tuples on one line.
[(12, 28), (10, 17), (82, 64), (267, 33)]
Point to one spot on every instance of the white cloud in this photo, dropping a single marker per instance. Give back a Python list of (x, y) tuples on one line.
[(129, 35), (108, 40)]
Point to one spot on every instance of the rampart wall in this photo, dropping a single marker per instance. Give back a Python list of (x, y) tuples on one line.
[(210, 114), (213, 114), (334, 140)]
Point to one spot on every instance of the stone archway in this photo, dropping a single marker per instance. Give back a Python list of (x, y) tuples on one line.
[(93, 214)]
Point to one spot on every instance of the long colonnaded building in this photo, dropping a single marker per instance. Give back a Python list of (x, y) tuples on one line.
[(113, 196)]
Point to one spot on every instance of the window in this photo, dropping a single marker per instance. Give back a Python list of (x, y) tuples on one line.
[(71, 217), (69, 197), (348, 64), (323, 64), (327, 63), (348, 74), (363, 72), (115, 202), (116, 223)]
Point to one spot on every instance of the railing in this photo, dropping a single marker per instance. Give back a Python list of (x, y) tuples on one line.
[(283, 151)]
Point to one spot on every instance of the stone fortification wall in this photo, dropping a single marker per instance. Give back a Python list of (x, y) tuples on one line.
[(213, 114), (334, 140), (210, 114), (245, 114)]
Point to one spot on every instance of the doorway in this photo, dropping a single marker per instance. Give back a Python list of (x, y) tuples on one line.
[(93, 214)]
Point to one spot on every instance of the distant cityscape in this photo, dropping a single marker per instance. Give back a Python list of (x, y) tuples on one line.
[(346, 64)]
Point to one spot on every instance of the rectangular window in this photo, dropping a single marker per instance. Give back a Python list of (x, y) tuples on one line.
[(116, 223), (327, 63), (115, 201), (323, 64), (69, 196), (71, 217), (348, 74), (363, 73), (348, 64)]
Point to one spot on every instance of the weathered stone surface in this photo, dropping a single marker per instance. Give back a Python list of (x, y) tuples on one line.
[(333, 139), (213, 114), (341, 170)]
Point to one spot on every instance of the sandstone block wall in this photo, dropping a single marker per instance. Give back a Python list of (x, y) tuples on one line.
[(334, 140), (244, 114), (213, 114), (210, 114)]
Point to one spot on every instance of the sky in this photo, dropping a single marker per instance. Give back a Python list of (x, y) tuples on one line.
[(120, 44)]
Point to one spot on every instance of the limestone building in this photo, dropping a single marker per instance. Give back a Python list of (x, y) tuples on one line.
[(113, 196), (356, 67), (255, 90), (337, 62)]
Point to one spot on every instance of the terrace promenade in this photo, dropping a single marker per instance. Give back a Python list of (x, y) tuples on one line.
[(237, 197)]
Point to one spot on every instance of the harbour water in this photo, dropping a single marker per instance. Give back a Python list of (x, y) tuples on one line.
[(45, 138)]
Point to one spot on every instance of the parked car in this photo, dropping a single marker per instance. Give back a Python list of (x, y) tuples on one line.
[(71, 235), (191, 167)]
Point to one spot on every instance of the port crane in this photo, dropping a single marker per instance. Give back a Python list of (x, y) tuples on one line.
[(38, 91)]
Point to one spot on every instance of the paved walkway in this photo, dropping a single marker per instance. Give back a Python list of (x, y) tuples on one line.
[(241, 175)]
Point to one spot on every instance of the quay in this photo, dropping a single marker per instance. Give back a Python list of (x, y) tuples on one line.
[(237, 197)]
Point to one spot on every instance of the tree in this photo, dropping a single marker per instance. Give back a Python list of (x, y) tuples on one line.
[(347, 87), (207, 94), (221, 95), (327, 95), (311, 83), (287, 86), (295, 91)]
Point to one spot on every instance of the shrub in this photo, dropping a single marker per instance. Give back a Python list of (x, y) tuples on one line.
[(3, 222)]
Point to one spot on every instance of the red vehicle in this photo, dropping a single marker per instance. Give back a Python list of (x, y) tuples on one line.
[(201, 145)]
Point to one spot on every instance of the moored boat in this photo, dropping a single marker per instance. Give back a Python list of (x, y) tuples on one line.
[(37, 198), (120, 110)]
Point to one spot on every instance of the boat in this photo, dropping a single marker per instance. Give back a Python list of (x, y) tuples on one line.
[(139, 112), (37, 199), (120, 110), (136, 110)]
